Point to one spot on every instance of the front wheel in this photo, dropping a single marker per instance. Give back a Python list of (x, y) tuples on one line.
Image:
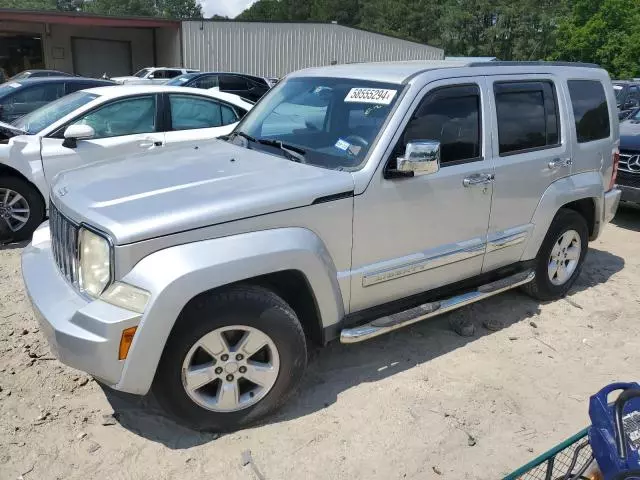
[(232, 358), (560, 257), (21, 209)]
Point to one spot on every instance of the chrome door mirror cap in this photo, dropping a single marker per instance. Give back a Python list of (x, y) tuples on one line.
[(421, 157)]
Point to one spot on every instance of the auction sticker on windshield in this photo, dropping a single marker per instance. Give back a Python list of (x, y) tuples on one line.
[(381, 96)]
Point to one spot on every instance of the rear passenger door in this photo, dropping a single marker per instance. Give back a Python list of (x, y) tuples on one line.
[(531, 150)]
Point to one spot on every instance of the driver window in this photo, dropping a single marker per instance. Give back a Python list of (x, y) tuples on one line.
[(123, 117), (450, 115)]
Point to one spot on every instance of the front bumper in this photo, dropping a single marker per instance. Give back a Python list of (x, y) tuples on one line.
[(83, 333), (629, 194), (611, 202)]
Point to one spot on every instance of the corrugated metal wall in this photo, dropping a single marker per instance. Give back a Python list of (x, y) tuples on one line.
[(275, 49)]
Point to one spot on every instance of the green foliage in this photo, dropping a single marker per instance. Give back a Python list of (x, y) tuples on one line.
[(602, 31), (143, 8), (606, 32)]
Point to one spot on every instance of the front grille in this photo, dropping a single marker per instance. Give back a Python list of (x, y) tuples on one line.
[(628, 179), (64, 243), (629, 162)]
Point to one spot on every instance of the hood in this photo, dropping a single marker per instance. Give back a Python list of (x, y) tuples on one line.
[(8, 131), (182, 188), (630, 135), (124, 79)]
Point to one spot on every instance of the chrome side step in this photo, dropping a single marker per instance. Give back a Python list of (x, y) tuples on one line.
[(383, 325)]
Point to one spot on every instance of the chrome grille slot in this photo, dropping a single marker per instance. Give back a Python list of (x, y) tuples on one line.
[(64, 243)]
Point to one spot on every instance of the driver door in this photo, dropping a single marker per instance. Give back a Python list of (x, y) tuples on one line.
[(123, 127)]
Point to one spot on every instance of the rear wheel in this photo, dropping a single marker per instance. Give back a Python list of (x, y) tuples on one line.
[(21, 209), (560, 257), (233, 357)]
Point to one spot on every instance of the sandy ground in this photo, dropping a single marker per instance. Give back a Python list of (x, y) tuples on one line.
[(420, 403)]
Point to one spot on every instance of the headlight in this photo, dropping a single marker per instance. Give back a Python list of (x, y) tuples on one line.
[(95, 262)]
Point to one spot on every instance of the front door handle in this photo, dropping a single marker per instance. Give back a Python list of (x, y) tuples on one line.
[(559, 163), (478, 179), (149, 143)]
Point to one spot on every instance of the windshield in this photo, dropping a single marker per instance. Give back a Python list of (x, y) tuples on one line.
[(618, 89), (21, 76), (142, 73), (41, 118), (329, 122), (181, 80)]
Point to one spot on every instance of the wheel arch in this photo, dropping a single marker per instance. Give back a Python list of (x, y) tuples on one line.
[(290, 261), (582, 193)]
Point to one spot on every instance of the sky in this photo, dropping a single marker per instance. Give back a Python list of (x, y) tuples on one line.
[(229, 8)]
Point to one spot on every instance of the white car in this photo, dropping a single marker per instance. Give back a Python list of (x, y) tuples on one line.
[(153, 75), (101, 124)]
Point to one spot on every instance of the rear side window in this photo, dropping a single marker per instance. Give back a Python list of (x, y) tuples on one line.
[(527, 116), (589, 109)]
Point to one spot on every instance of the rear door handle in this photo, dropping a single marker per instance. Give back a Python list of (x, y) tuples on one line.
[(560, 163), (478, 179)]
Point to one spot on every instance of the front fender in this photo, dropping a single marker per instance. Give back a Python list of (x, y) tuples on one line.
[(177, 274), (559, 193)]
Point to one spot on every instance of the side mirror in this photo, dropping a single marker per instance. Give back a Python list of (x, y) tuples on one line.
[(73, 133), (421, 157)]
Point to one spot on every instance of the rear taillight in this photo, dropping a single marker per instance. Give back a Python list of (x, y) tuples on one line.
[(614, 173)]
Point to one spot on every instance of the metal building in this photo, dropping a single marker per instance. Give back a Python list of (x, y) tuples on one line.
[(91, 45), (275, 49)]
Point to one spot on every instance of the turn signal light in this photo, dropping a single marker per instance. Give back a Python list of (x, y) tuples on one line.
[(125, 342), (614, 174)]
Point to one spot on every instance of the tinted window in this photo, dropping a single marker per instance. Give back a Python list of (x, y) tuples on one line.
[(232, 82), (123, 117), (589, 109), (451, 116), (39, 93), (206, 82), (189, 112), (228, 115), (527, 116), (75, 86)]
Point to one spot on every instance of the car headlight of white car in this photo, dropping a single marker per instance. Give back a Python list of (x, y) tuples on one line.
[(95, 262)]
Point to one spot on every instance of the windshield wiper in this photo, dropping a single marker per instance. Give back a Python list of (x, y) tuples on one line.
[(293, 153), (244, 135)]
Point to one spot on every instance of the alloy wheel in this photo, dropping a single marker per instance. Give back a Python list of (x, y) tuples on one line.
[(565, 257), (14, 209), (230, 368)]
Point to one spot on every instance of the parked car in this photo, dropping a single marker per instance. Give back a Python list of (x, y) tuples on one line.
[(17, 98), (625, 114), (39, 74), (100, 124), (627, 96), (152, 75), (245, 86), (629, 166), (207, 275)]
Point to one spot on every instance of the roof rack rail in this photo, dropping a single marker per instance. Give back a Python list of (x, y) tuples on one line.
[(540, 63)]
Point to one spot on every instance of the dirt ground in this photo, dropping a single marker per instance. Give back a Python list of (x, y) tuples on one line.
[(420, 403)]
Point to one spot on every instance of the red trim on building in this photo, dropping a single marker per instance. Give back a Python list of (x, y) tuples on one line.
[(67, 18)]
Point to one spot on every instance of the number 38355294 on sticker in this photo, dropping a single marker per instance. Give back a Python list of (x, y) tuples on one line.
[(380, 96)]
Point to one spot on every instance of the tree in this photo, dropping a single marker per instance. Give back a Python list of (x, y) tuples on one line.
[(179, 8), (604, 32)]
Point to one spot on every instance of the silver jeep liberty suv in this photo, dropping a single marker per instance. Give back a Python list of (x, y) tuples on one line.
[(351, 201)]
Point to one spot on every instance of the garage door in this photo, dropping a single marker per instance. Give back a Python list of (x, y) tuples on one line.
[(93, 57)]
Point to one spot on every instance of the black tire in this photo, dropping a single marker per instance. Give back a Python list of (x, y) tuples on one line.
[(241, 305), (541, 288), (36, 207)]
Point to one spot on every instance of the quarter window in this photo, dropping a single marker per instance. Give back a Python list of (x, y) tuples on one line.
[(450, 115), (123, 117), (189, 112), (589, 109), (210, 81), (527, 116)]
